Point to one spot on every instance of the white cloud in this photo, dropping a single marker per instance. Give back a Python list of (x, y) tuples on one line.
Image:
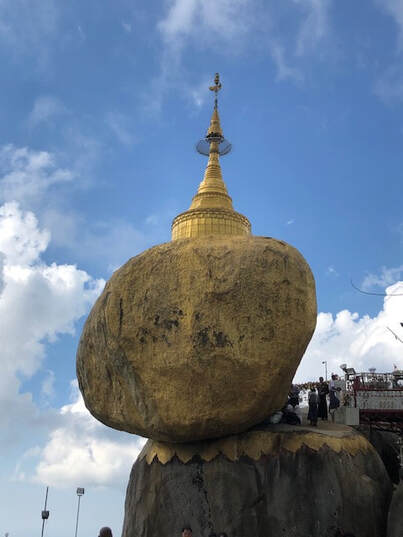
[(388, 276), (38, 303), (2, 260), (313, 30), (127, 27), (27, 27), (314, 26), (45, 109), (198, 93), (331, 271), (25, 175), (395, 9), (232, 26), (21, 241), (361, 342), (36, 180), (389, 86), (284, 71), (205, 20), (120, 125), (203, 24), (82, 450), (47, 388)]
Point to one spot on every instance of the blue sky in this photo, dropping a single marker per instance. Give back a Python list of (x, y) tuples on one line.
[(101, 104)]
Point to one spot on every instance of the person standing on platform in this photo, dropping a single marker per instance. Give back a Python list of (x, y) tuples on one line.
[(323, 390), (334, 401), (313, 406)]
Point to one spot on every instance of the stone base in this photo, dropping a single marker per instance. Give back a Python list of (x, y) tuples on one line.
[(386, 445), (395, 518), (347, 415), (277, 480)]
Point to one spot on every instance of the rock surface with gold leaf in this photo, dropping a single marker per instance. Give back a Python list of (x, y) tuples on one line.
[(197, 338)]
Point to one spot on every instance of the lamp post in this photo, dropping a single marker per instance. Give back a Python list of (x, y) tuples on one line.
[(325, 364), (45, 513), (80, 492)]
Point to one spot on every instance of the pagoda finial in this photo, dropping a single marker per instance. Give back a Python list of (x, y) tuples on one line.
[(216, 88), (211, 211)]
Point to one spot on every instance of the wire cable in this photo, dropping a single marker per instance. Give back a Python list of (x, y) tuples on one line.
[(371, 293)]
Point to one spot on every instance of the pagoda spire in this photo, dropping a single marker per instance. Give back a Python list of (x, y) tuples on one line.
[(212, 191), (211, 211)]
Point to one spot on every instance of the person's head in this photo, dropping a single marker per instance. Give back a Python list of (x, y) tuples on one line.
[(187, 531), (105, 532), (320, 379), (334, 377), (313, 389)]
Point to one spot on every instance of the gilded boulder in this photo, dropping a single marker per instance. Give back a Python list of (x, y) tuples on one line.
[(197, 338)]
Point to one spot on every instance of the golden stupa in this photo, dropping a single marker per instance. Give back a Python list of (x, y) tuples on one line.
[(211, 211), (199, 337)]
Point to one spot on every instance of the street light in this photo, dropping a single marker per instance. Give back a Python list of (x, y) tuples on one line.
[(80, 492), (325, 364), (45, 513)]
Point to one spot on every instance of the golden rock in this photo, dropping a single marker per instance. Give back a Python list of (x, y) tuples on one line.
[(197, 338)]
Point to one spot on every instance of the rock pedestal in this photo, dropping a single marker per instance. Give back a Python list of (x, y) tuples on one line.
[(395, 517), (278, 480), (386, 444)]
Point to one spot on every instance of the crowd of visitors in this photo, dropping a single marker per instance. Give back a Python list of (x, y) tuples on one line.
[(318, 407), (317, 399)]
